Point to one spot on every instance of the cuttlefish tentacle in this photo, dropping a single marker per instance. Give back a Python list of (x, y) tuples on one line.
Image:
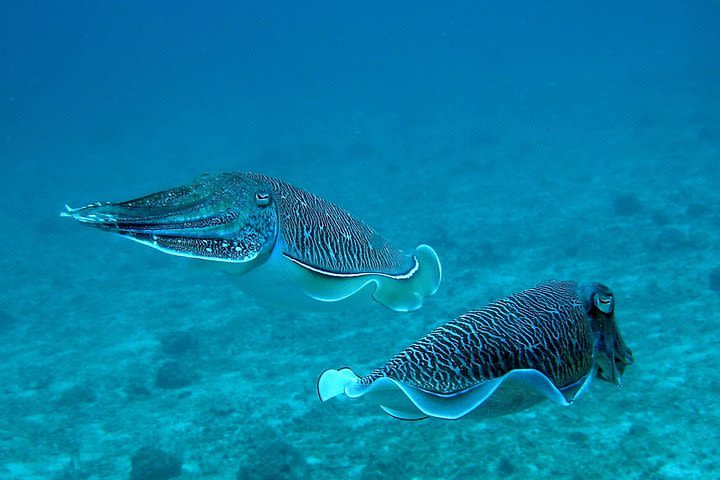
[(295, 246), (546, 342)]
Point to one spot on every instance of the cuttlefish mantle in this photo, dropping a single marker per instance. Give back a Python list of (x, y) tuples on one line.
[(292, 247), (544, 343)]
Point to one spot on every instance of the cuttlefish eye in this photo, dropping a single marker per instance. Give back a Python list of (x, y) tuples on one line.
[(604, 303), (262, 198)]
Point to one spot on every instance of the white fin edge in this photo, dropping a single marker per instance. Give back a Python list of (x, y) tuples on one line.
[(332, 383), (450, 407)]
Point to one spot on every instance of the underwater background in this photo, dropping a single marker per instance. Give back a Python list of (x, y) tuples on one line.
[(523, 140)]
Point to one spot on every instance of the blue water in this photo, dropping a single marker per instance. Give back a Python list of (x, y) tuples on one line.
[(523, 141)]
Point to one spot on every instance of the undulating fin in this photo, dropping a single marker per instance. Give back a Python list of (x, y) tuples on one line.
[(525, 387), (401, 415), (574, 391), (406, 294), (401, 293), (528, 386), (332, 383)]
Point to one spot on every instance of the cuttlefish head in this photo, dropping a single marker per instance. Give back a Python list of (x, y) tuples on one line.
[(611, 354), (227, 217)]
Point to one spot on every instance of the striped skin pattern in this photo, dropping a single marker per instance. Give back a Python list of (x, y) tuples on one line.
[(323, 236), (544, 328)]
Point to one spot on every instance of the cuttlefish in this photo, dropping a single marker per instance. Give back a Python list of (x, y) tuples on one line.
[(547, 342), (292, 247)]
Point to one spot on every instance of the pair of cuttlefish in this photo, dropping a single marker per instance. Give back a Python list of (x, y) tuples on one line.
[(299, 250)]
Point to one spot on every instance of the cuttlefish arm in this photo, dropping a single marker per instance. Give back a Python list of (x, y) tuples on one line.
[(225, 218)]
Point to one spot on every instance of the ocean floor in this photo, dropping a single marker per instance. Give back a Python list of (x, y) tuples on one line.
[(109, 348)]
